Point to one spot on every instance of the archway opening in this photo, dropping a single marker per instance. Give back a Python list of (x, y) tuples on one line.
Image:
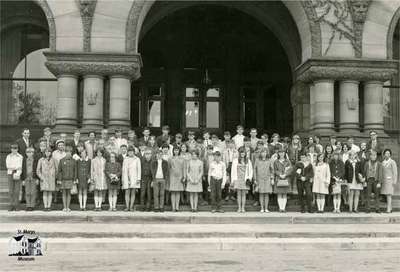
[(28, 91), (211, 66)]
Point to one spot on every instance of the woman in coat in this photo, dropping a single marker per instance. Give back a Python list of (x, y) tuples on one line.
[(354, 178), (322, 178), (131, 176), (263, 177), (241, 175), (113, 175), (83, 176), (389, 167), (98, 177), (46, 171), (282, 173), (177, 177)]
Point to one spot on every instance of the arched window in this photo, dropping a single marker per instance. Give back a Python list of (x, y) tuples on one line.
[(27, 89)]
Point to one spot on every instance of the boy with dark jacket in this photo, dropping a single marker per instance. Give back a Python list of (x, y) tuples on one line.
[(304, 172), (373, 174), (159, 172)]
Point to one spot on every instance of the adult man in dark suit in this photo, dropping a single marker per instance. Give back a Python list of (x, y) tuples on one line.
[(75, 141), (24, 142), (146, 135)]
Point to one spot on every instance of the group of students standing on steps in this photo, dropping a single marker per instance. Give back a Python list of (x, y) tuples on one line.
[(173, 170)]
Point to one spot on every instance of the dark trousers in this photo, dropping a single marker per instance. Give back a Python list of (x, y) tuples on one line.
[(305, 194), (159, 193), (13, 191), (371, 187), (30, 192), (216, 191), (204, 195), (145, 191)]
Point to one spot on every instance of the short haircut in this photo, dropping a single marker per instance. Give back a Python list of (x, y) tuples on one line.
[(92, 131), (165, 145), (29, 149), (387, 149), (239, 127)]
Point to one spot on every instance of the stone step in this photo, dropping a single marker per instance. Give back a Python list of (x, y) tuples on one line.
[(143, 218), (201, 231), (127, 245)]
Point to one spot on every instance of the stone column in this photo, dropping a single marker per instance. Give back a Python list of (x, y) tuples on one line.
[(373, 105), (120, 101), (92, 102), (67, 103), (349, 110), (312, 104), (323, 108)]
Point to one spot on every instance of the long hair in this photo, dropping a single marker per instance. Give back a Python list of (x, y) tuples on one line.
[(245, 159)]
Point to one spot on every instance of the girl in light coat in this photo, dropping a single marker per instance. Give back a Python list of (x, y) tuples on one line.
[(131, 176), (98, 177), (242, 171), (322, 179)]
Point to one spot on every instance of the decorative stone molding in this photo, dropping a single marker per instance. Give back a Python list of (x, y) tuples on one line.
[(315, 28), (390, 34), (86, 8), (103, 64), (50, 20), (342, 69), (344, 18), (132, 25)]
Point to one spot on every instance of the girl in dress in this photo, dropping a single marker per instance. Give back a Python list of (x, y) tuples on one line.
[(186, 157), (353, 176), (98, 177), (83, 177), (282, 172), (131, 176), (241, 176), (176, 178), (389, 178), (46, 171), (263, 177), (322, 179), (66, 177), (194, 177), (113, 174)]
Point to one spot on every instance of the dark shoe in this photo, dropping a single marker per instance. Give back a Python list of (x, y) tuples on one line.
[(148, 210), (156, 210), (378, 211), (355, 211), (126, 209), (302, 211), (367, 211), (162, 210)]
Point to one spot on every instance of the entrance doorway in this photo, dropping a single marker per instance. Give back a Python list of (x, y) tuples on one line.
[(219, 67)]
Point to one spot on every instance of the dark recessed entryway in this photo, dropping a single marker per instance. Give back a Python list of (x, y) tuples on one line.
[(212, 67)]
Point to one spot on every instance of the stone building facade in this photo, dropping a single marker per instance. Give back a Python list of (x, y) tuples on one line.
[(319, 67)]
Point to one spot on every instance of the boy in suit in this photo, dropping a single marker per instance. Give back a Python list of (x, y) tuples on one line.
[(159, 172)]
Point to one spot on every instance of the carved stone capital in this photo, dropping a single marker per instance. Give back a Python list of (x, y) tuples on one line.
[(94, 64), (343, 69)]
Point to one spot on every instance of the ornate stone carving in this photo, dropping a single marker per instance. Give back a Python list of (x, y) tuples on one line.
[(50, 20), (341, 69), (132, 25), (87, 8), (94, 64), (315, 28), (358, 10), (345, 18)]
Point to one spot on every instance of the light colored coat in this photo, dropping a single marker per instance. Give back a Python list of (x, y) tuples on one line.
[(46, 171), (322, 178), (98, 174), (131, 173), (234, 173), (389, 168)]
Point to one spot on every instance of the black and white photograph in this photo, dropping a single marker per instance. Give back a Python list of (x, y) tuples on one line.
[(200, 135)]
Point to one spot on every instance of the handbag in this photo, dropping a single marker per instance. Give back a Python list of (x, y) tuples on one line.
[(336, 189), (282, 183), (91, 187), (74, 189), (248, 182)]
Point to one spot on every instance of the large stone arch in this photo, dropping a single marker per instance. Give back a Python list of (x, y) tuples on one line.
[(390, 33), (51, 22), (380, 23), (302, 14)]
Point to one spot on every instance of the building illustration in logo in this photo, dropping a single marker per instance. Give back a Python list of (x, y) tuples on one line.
[(22, 245)]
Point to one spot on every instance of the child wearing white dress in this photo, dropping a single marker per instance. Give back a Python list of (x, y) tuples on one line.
[(131, 176)]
